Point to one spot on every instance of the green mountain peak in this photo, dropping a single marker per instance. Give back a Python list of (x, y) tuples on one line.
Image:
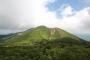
[(38, 34)]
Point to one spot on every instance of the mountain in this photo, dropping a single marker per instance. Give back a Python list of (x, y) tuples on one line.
[(41, 33), (5, 37), (84, 36), (43, 43)]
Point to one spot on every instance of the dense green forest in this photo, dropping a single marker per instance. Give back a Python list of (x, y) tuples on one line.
[(46, 51), (43, 43)]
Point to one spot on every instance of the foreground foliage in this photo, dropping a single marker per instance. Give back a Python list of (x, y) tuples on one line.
[(46, 51)]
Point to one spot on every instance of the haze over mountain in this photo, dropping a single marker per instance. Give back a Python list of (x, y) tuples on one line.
[(84, 36)]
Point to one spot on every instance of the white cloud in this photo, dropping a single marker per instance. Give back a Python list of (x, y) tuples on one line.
[(77, 23), (67, 11), (23, 14)]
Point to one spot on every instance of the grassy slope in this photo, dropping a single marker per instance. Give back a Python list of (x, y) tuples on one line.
[(38, 34)]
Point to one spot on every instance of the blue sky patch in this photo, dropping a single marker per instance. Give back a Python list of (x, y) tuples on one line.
[(75, 4)]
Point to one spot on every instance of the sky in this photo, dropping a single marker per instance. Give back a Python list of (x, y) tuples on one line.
[(70, 15)]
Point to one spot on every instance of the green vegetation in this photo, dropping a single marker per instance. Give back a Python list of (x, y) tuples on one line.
[(31, 36), (42, 43), (46, 50)]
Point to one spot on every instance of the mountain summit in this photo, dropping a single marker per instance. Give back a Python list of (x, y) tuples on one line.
[(41, 33)]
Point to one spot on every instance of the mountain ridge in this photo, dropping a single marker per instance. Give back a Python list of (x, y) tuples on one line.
[(40, 33)]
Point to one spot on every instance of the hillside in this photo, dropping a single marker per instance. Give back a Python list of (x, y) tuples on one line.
[(38, 34), (43, 43)]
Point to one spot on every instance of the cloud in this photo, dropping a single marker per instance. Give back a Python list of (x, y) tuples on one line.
[(15, 14), (78, 23), (66, 10), (18, 15)]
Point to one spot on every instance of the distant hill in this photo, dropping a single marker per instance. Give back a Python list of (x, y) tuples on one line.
[(84, 36), (41, 33), (5, 37)]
